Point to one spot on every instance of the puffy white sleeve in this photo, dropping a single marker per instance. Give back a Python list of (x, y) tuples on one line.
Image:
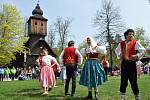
[(83, 52), (101, 49), (118, 51), (141, 50), (61, 57)]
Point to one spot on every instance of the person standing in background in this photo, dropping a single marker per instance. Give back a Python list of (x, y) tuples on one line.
[(105, 65), (7, 73), (13, 72), (63, 75), (1, 73), (139, 68)]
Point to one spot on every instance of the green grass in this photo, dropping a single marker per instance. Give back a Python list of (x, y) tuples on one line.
[(30, 90)]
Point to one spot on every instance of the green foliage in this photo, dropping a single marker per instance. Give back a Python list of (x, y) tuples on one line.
[(11, 33), (140, 36)]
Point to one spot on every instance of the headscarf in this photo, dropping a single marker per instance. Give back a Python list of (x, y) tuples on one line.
[(90, 48)]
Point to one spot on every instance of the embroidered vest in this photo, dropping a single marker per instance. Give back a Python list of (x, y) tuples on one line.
[(129, 50), (69, 55)]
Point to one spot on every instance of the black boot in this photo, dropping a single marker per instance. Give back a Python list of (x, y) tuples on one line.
[(66, 90), (89, 97), (73, 91), (96, 95)]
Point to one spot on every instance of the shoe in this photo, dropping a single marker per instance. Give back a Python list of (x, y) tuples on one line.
[(96, 95), (55, 86), (72, 95), (122, 96), (89, 97), (66, 94), (137, 97), (45, 93), (49, 89)]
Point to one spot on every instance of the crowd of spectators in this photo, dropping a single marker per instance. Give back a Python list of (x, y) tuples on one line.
[(19, 73)]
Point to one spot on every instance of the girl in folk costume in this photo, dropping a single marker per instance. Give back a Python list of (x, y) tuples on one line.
[(47, 76), (92, 74), (129, 51)]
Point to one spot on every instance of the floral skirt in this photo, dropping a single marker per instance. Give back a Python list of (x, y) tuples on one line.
[(92, 74)]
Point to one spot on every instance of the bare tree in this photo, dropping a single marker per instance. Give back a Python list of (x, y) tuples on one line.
[(62, 26), (51, 37), (108, 21)]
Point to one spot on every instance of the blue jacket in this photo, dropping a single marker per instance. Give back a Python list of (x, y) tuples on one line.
[(1, 70)]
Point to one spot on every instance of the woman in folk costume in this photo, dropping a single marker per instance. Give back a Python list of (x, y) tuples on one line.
[(92, 74), (47, 76), (129, 51)]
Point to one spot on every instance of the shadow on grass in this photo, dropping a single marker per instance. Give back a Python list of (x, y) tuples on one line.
[(35, 93)]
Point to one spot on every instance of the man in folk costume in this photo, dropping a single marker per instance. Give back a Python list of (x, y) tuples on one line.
[(70, 57), (129, 51)]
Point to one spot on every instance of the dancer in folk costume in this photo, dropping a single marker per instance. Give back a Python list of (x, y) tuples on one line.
[(47, 76), (70, 57), (139, 68), (129, 51), (92, 74)]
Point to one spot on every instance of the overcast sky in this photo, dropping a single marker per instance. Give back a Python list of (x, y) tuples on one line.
[(135, 13)]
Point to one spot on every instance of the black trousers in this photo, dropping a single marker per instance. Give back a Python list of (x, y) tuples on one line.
[(129, 72), (71, 72), (1, 77)]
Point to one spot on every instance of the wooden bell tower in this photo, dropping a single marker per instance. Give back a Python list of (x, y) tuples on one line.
[(37, 30), (37, 24)]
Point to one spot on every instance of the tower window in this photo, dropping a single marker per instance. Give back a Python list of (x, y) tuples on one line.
[(35, 23), (41, 24)]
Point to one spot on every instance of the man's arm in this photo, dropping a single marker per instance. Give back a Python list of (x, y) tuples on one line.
[(80, 58)]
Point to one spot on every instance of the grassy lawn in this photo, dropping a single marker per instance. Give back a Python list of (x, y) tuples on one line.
[(30, 90)]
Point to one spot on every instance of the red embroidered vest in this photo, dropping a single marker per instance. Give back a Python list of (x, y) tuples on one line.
[(69, 55), (128, 51)]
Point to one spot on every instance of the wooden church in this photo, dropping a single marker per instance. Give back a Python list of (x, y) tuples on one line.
[(37, 31)]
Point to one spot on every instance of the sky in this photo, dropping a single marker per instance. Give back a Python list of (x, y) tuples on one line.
[(135, 13)]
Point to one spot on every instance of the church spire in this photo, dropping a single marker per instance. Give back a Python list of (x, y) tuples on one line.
[(37, 10)]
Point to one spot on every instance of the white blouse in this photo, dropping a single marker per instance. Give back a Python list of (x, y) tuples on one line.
[(98, 49), (46, 60)]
